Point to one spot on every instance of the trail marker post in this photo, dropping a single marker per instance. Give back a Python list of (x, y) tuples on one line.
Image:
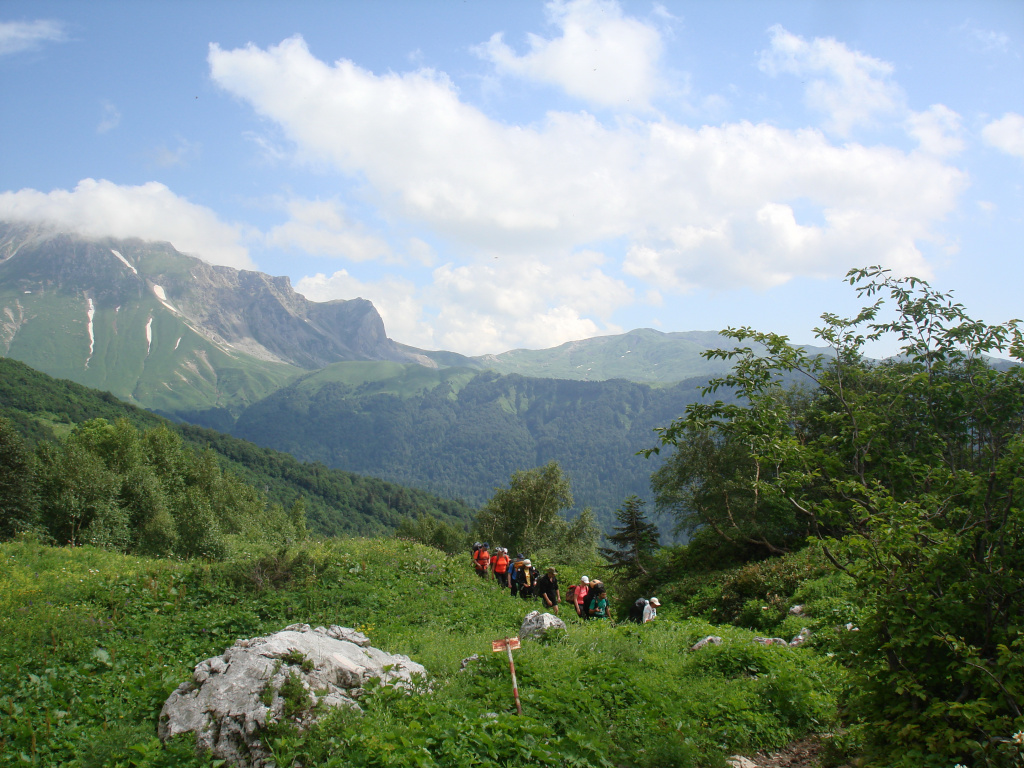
[(510, 644)]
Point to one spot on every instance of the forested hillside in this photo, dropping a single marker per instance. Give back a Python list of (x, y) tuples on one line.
[(43, 408), (464, 438)]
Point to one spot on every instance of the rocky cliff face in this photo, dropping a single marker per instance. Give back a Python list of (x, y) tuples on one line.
[(166, 330), (238, 310)]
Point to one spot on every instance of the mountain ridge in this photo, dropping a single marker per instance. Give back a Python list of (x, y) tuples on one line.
[(102, 311)]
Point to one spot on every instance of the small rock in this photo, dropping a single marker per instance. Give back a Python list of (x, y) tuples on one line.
[(468, 660), (739, 761), (709, 640), (800, 639), (536, 624), (770, 641), (796, 610)]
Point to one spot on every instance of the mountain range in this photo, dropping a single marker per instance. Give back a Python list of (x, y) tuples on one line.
[(244, 353)]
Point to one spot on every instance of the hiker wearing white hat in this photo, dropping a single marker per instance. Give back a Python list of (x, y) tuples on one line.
[(651, 609)]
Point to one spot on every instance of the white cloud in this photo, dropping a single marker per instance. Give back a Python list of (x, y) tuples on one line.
[(1006, 134), (850, 87), (675, 208), (489, 307), (323, 228), (937, 130), (601, 56), (17, 36), (110, 118), (149, 211), (524, 302)]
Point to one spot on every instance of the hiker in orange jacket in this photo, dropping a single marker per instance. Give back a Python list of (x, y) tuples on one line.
[(482, 560), (499, 566)]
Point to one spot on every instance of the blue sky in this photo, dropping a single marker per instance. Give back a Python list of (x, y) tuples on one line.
[(498, 175)]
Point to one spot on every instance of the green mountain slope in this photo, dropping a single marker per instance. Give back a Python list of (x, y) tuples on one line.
[(337, 502), (643, 355), (460, 433)]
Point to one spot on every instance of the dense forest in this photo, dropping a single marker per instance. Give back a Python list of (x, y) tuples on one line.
[(464, 443), (42, 409)]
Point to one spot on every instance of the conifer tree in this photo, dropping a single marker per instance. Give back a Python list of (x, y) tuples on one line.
[(636, 539)]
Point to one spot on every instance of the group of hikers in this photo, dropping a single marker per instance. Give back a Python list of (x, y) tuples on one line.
[(520, 576)]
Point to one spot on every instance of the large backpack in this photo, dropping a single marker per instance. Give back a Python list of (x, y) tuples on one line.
[(636, 611)]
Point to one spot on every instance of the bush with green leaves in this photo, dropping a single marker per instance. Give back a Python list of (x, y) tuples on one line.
[(911, 473)]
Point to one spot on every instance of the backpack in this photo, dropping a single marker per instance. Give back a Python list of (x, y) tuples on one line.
[(636, 611), (570, 593)]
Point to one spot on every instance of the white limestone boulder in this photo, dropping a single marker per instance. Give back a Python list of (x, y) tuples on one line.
[(536, 624), (232, 697)]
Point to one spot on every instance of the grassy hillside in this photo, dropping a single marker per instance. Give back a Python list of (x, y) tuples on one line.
[(336, 502), (141, 352), (642, 355), (92, 643)]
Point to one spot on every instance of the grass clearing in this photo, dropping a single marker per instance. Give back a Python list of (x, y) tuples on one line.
[(92, 643)]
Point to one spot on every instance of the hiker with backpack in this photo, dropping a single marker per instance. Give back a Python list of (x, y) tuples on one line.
[(651, 609), (637, 610), (499, 566), (597, 607), (528, 585), (515, 576), (482, 560), (576, 594), (547, 588)]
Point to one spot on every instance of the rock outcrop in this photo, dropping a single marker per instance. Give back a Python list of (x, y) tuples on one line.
[(536, 625), (291, 675)]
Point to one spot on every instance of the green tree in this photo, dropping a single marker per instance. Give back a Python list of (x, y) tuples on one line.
[(527, 516), (76, 491), (17, 486), (911, 471), (635, 540), (440, 534)]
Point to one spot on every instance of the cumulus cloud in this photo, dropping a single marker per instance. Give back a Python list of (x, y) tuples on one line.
[(601, 56), (323, 228), (937, 130), (17, 36), (149, 211), (850, 87), (489, 307), (718, 206), (1006, 134)]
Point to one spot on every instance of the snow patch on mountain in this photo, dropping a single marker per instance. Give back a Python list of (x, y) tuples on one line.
[(149, 335), (161, 295), (90, 313), (124, 261)]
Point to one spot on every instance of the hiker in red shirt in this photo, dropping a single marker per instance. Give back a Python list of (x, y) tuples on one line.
[(577, 596)]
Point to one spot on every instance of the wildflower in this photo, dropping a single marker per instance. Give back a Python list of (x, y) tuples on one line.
[(1018, 738)]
